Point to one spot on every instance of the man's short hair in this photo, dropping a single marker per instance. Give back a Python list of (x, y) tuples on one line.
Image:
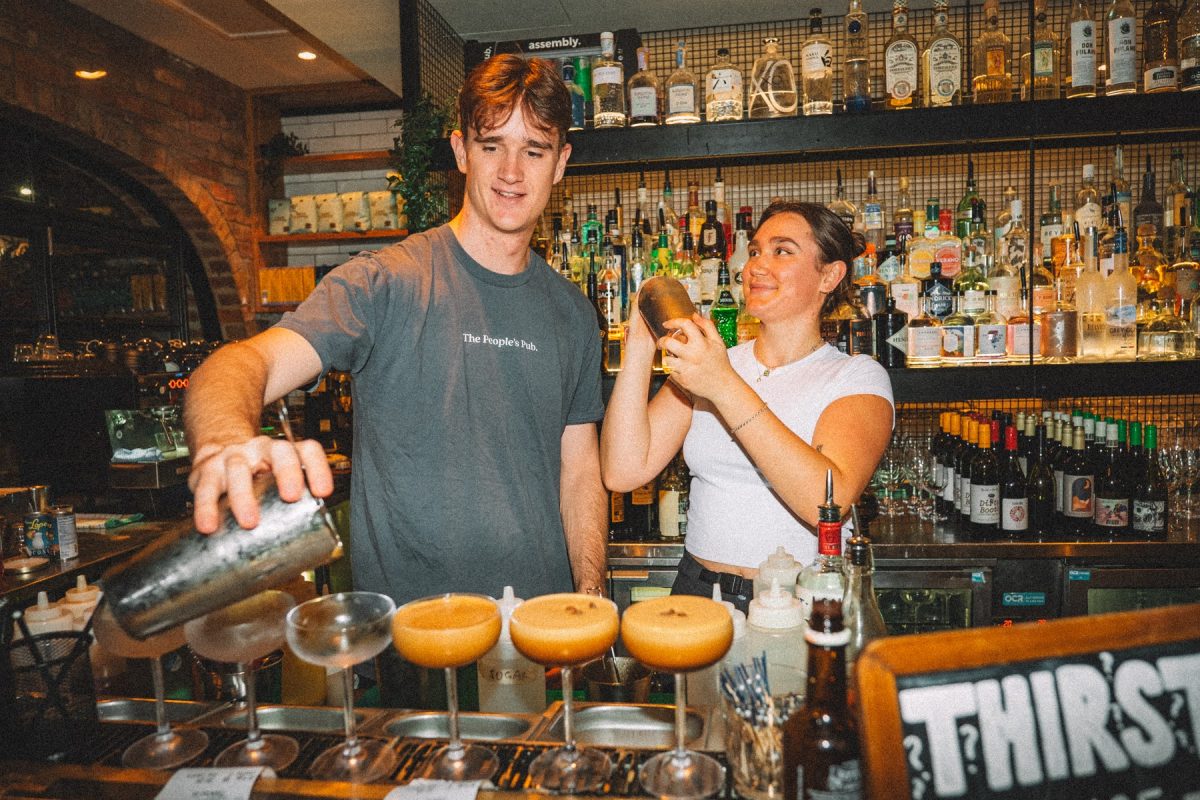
[(495, 87)]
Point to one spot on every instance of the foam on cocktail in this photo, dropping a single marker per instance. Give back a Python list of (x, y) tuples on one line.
[(678, 633), (452, 630), (564, 629)]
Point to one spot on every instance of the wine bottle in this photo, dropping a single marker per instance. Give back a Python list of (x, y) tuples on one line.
[(1079, 486), (1040, 488), (1014, 501), (985, 486), (1113, 492), (1150, 492)]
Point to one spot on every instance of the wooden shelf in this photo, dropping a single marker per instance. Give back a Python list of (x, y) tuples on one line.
[(344, 236), (337, 162)]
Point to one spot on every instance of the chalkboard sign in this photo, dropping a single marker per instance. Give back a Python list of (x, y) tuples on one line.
[(1097, 708)]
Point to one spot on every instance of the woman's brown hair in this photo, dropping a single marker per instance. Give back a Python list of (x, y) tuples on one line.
[(835, 241), (495, 87)]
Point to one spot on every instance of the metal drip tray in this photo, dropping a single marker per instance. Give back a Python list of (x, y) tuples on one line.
[(436, 725), (140, 709), (626, 726), (291, 718)]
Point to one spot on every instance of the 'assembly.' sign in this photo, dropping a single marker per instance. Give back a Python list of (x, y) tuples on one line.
[(1109, 725)]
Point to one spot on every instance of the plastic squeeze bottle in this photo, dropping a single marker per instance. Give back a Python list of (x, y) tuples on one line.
[(776, 628), (704, 686), (508, 681), (780, 565)]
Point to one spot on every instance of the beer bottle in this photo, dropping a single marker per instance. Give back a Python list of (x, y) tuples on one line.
[(820, 740)]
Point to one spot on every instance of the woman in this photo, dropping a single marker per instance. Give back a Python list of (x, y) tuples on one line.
[(759, 423)]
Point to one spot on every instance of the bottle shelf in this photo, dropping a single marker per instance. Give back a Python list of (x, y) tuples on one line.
[(923, 131), (337, 162), (316, 238)]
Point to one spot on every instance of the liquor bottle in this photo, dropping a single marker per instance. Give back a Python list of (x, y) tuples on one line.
[(1181, 278), (991, 76), (712, 253), (1079, 486), (1003, 219), (682, 95), (900, 56), (1045, 52), (816, 68), (1051, 222), (1149, 210), (905, 289), (687, 270), (583, 79), (640, 265), (863, 618), (824, 579), (947, 247), (1149, 517), (962, 470), (1042, 295), (1014, 245), (724, 217), (977, 246), (1120, 292), (608, 86), (1167, 337), (958, 335), (872, 291), (991, 332), (856, 66), (1014, 497), (941, 62), (1024, 332), (848, 327), (578, 102), (1160, 49), (772, 84), (970, 278), (1120, 187), (724, 312), (1113, 490), (1087, 211), (1150, 267), (723, 90), (668, 218), (902, 217), (964, 214), (1062, 455), (820, 740), (890, 324), (641, 519), (872, 215), (1121, 26), (985, 486), (738, 259), (845, 210), (939, 291), (922, 249), (1189, 48), (695, 215), (1176, 205), (924, 337), (947, 461), (1082, 36), (645, 106), (1039, 487), (673, 501)]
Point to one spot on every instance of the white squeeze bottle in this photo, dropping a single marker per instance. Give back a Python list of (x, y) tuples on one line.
[(779, 566), (42, 618), (776, 628), (704, 686), (81, 601), (508, 681)]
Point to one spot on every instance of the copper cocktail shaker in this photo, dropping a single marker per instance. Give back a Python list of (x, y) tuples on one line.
[(662, 298)]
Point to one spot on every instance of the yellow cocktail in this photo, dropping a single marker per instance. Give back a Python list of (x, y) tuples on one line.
[(679, 633), (451, 630), (564, 629)]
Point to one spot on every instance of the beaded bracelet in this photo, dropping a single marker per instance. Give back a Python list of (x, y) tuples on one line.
[(753, 417)]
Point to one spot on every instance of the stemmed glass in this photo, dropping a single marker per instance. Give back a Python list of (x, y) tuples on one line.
[(239, 634), (166, 748), (341, 630), (566, 630), (679, 634), (449, 631)]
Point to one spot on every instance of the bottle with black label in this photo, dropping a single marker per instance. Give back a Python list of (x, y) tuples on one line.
[(1150, 491), (1014, 499), (821, 754), (1079, 486), (939, 293), (1113, 492), (985, 487), (890, 323)]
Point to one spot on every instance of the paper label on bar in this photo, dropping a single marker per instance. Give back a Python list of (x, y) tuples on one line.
[(213, 783), (423, 789)]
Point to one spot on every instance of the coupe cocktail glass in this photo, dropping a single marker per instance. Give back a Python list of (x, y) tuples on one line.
[(341, 630), (166, 748), (566, 630), (679, 634), (239, 634), (449, 631)]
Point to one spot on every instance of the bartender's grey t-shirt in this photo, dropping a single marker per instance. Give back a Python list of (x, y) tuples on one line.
[(464, 380)]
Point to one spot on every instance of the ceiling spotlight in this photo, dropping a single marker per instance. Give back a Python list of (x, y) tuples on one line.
[(25, 191), (306, 55), (91, 74)]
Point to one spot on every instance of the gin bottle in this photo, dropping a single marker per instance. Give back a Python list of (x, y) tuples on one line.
[(723, 90), (608, 86), (578, 101), (683, 106), (1121, 25), (941, 61), (1160, 50), (643, 95), (1082, 38), (900, 61), (1189, 47), (991, 75), (856, 68), (772, 84), (816, 68)]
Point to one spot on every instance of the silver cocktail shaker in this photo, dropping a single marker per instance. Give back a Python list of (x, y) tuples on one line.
[(184, 576), (662, 298)]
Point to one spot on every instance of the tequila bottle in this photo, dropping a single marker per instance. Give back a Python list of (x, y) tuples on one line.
[(873, 215), (816, 68), (1160, 49), (772, 84), (941, 61), (1082, 40), (682, 95), (723, 90), (1044, 51), (1121, 43), (991, 75), (845, 210), (958, 335), (1189, 47), (644, 105), (578, 101), (608, 86), (900, 56), (856, 67)]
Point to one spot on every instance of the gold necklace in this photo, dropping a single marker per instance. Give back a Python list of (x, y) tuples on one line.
[(766, 372)]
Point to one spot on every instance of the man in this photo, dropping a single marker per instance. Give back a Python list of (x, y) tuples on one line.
[(476, 380)]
